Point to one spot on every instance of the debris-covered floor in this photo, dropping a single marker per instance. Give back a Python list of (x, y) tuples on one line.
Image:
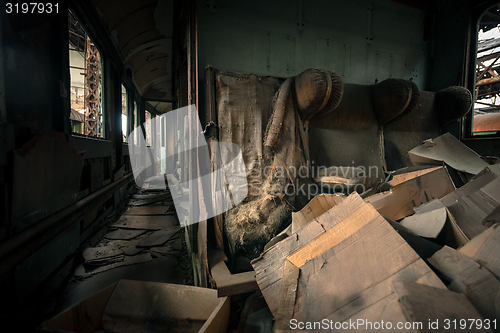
[(144, 243), (420, 254)]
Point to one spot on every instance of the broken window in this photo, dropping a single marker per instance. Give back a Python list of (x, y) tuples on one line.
[(486, 113), (85, 67), (125, 126)]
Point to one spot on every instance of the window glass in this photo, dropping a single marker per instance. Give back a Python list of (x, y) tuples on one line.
[(85, 67), (124, 114), (147, 126), (136, 138), (487, 88)]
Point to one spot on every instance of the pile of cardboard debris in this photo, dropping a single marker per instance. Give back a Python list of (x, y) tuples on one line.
[(417, 253), (420, 255)]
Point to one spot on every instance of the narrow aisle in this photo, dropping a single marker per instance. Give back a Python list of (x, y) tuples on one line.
[(146, 243)]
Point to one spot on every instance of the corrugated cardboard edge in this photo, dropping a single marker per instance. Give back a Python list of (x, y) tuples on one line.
[(71, 319)]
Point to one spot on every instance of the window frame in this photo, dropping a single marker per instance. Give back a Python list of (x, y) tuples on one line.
[(148, 134), (104, 72), (475, 16), (127, 110)]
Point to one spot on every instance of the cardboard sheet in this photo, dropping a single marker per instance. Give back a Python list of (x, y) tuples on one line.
[(449, 150), (349, 250), (485, 248), (410, 191), (471, 204), (428, 220), (318, 205), (139, 306), (466, 276), (428, 224), (425, 304)]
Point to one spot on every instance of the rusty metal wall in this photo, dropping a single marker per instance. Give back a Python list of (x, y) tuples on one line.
[(363, 41)]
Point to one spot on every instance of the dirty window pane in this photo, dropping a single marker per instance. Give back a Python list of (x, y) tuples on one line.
[(147, 126), (487, 99), (85, 67), (136, 138), (124, 114)]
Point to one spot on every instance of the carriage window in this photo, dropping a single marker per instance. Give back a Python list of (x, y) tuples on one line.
[(85, 68), (147, 127), (136, 115), (487, 90), (125, 126)]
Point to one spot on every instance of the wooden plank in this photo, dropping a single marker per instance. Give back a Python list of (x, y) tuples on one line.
[(150, 195), (124, 234), (203, 252), (102, 255), (163, 250), (151, 200), (484, 249), (466, 276), (141, 202), (227, 283), (145, 222), (400, 201), (425, 304), (159, 237), (212, 126), (149, 210)]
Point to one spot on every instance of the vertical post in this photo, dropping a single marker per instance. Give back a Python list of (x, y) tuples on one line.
[(116, 120), (212, 133), (198, 232)]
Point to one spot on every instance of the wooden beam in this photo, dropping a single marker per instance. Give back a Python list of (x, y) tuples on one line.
[(227, 283)]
